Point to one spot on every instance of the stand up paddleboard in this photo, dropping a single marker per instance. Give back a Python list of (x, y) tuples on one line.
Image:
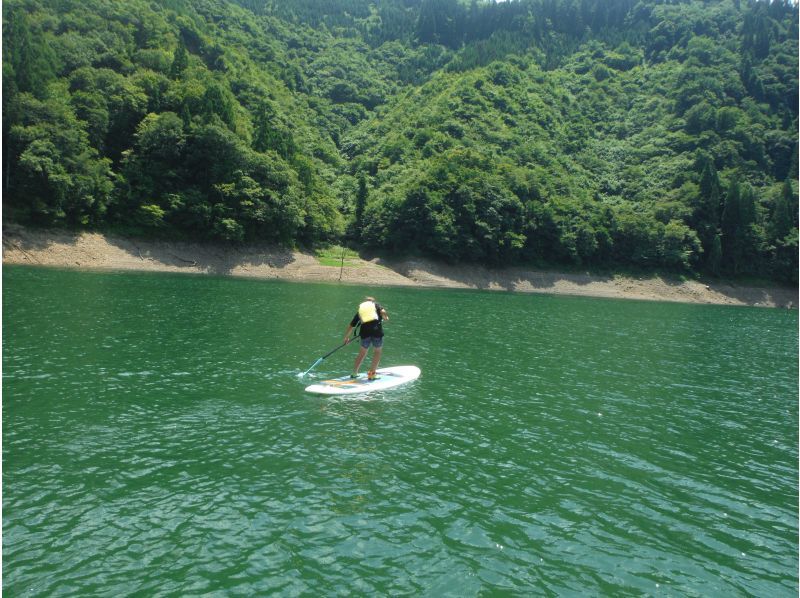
[(387, 378)]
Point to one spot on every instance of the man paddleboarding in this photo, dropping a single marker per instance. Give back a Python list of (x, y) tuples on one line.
[(370, 315)]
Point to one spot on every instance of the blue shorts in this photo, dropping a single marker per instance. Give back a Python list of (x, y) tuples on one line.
[(375, 341)]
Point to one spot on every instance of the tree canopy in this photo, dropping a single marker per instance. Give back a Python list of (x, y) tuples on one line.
[(601, 133)]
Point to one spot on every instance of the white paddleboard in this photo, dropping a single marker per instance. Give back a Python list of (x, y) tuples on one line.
[(387, 378)]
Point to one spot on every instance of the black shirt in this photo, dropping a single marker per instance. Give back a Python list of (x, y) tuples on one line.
[(373, 328)]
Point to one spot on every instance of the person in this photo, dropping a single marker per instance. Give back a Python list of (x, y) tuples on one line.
[(370, 315)]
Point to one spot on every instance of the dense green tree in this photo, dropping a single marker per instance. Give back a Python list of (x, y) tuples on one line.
[(58, 177), (738, 218), (270, 134), (218, 102), (783, 234), (31, 59), (784, 213), (361, 201), (597, 132), (707, 210), (180, 61)]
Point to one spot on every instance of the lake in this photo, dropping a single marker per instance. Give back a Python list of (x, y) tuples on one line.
[(158, 440)]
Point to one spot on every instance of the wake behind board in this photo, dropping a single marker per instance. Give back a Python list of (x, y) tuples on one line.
[(387, 378)]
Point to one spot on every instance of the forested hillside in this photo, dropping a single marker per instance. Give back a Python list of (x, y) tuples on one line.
[(601, 133)]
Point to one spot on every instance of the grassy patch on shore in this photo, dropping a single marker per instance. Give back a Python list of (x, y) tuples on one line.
[(337, 256)]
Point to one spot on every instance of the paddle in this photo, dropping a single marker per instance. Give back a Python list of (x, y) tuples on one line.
[(329, 353)]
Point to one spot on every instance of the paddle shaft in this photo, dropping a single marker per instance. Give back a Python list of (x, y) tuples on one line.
[(331, 352)]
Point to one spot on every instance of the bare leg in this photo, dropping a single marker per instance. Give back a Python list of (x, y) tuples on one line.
[(359, 358), (376, 359)]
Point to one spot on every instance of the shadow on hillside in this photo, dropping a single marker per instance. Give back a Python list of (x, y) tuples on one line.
[(68, 249), (479, 277), (19, 239), (777, 295), (208, 258), (656, 287), (109, 251), (781, 296)]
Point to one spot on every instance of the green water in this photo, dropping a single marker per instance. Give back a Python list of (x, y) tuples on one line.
[(157, 441)]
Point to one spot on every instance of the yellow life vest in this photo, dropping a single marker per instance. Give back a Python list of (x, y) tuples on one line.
[(367, 312)]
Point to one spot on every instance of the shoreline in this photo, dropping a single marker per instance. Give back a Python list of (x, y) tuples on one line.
[(95, 251)]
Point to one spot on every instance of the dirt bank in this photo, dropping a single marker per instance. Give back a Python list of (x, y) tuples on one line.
[(95, 251)]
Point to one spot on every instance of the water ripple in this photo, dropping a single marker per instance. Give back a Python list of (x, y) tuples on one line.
[(616, 449)]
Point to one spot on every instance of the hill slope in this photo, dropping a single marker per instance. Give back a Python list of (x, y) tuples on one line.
[(547, 132)]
